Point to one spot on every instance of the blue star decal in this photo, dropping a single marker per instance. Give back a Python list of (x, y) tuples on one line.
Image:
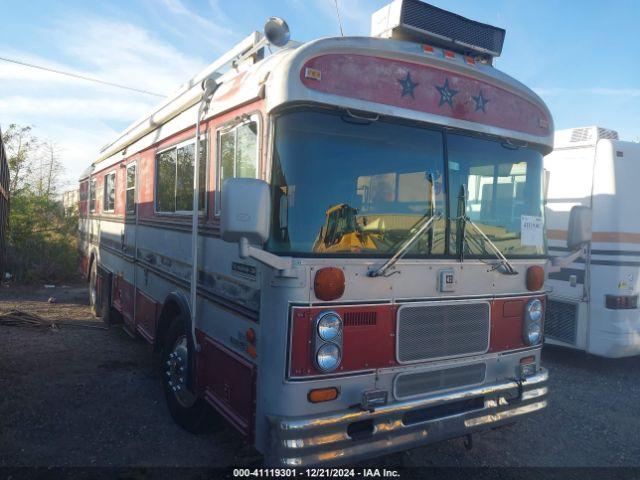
[(446, 94), (408, 85), (481, 102)]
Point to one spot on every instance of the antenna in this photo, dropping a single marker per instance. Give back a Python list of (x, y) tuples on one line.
[(339, 19)]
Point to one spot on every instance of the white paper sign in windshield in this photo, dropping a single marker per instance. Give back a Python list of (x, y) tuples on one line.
[(532, 229)]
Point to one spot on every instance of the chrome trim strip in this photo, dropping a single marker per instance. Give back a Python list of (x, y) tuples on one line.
[(402, 407), (325, 439), (496, 417)]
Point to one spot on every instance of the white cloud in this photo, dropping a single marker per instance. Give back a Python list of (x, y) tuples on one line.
[(217, 34), (72, 108), (81, 116), (125, 53)]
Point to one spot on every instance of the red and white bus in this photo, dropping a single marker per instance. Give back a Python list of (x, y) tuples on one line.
[(369, 246)]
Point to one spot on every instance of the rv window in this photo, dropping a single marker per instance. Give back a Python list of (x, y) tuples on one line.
[(130, 199), (109, 192), (92, 195), (238, 154), (174, 178)]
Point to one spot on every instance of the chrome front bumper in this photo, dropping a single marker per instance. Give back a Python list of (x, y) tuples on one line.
[(325, 439)]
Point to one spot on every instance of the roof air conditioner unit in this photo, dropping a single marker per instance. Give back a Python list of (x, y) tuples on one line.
[(420, 22)]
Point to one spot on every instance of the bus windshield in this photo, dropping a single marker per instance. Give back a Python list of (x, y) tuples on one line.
[(343, 185)]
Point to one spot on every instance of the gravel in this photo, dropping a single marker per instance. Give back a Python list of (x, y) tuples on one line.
[(80, 396)]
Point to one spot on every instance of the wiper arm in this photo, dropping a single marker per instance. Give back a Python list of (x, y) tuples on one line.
[(463, 220), (508, 267), (404, 248)]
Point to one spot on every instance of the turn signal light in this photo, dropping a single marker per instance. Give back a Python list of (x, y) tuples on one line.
[(527, 366), (251, 335), (535, 278), (329, 283), (322, 395), (530, 359)]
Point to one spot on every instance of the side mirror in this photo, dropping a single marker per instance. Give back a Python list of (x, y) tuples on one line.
[(245, 211), (579, 231)]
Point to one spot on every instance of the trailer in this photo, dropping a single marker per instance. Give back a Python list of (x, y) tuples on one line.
[(338, 246), (4, 206), (593, 302)]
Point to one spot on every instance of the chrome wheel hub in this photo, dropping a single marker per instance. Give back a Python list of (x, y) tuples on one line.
[(176, 372)]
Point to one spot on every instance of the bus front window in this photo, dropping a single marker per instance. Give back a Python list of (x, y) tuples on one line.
[(346, 186)]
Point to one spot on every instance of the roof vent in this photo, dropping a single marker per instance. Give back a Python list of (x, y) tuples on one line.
[(420, 22)]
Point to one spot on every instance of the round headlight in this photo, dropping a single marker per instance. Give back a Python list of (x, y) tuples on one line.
[(328, 357), (534, 310), (533, 333), (329, 326)]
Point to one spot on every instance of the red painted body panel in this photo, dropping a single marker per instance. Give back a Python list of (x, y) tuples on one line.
[(122, 298), (228, 382), (365, 345), (147, 311), (379, 80), (506, 323), (83, 265), (369, 335)]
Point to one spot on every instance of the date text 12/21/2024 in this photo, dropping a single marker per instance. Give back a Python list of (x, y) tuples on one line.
[(315, 473)]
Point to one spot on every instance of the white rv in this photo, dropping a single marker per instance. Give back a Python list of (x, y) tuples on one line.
[(593, 303)]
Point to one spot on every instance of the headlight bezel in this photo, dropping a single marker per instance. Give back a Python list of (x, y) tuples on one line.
[(326, 317), (325, 341), (532, 324), (338, 357)]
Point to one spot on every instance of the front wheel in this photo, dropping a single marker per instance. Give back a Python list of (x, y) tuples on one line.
[(188, 411)]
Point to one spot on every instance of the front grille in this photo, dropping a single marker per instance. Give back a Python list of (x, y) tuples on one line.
[(561, 321), (410, 384), (428, 332)]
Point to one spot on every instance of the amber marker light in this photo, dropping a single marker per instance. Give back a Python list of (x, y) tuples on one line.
[(527, 366), (322, 395), (329, 283), (535, 278), (530, 359), (251, 335)]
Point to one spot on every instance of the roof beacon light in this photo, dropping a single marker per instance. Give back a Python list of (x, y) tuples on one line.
[(420, 22), (277, 31)]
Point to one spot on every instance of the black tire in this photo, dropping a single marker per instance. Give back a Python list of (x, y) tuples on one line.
[(93, 288), (186, 409)]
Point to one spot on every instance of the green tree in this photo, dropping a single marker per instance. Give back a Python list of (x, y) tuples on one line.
[(41, 243)]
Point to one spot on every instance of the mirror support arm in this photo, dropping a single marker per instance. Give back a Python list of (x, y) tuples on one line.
[(283, 265), (558, 263)]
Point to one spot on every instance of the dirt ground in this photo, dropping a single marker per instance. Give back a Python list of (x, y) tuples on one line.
[(83, 395)]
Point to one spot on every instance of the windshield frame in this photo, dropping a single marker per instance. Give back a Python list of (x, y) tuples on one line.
[(446, 213)]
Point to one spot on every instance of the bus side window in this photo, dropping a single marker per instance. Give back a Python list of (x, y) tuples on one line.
[(109, 202), (93, 185), (130, 195), (237, 153)]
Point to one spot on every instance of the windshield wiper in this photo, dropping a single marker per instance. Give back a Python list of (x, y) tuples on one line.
[(463, 220), (406, 245), (423, 225)]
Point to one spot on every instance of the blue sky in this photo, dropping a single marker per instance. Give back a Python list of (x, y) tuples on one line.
[(580, 56)]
